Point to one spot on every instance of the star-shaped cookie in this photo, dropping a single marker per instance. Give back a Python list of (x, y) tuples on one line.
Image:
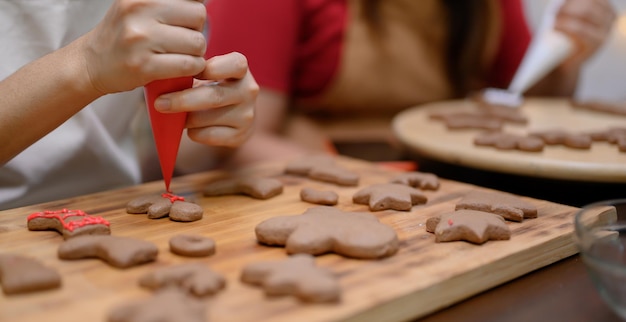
[(322, 168), (297, 276), (470, 225), (326, 229), (255, 187), (422, 180), (507, 205), (394, 196)]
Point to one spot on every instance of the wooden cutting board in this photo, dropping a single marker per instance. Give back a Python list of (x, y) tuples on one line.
[(421, 278), (602, 163)]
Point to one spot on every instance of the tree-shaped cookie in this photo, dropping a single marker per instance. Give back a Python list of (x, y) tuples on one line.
[(255, 187), (385, 196), (470, 225), (165, 204), (21, 274), (297, 276), (507, 205), (69, 223), (326, 229), (416, 179)]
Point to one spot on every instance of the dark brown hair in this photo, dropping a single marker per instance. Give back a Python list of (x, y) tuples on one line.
[(468, 24)]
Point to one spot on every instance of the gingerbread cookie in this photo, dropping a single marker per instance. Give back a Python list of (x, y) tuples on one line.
[(327, 198), (562, 137), (421, 180), (508, 141), (120, 252), (470, 225), (167, 305), (259, 188), (69, 223), (507, 205), (468, 120), (504, 112), (322, 168), (297, 276), (194, 278), (163, 205), (192, 245), (20, 274), (389, 196), (326, 229)]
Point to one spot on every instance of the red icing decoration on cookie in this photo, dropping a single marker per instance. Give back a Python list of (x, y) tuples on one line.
[(450, 223), (63, 214), (172, 197), (167, 128)]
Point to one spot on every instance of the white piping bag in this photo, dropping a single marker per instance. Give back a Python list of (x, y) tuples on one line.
[(547, 49)]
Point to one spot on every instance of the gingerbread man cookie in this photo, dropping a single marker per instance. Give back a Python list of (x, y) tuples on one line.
[(416, 179), (322, 168), (297, 276), (389, 196), (69, 223), (470, 225), (163, 205), (167, 305), (259, 188), (509, 141), (326, 229), (195, 278), (20, 274), (507, 205), (120, 252)]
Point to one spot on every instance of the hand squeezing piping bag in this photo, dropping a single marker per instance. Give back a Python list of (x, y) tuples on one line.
[(547, 49), (167, 128)]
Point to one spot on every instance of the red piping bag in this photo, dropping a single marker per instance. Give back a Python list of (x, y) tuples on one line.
[(167, 128)]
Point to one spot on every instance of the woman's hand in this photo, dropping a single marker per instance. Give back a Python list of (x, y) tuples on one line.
[(139, 41), (221, 103), (588, 23)]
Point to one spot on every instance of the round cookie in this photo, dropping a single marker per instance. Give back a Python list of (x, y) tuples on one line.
[(192, 245)]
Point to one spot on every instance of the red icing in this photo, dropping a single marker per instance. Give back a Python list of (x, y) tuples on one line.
[(167, 128), (63, 214), (450, 222), (172, 197)]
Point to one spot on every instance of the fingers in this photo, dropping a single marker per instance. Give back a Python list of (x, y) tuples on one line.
[(168, 39), (230, 66), (588, 23), (187, 14), (220, 135), (221, 103)]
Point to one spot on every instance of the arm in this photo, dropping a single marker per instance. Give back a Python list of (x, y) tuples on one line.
[(588, 23), (135, 43)]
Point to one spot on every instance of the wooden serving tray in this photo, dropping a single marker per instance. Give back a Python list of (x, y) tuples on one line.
[(602, 163), (421, 278)]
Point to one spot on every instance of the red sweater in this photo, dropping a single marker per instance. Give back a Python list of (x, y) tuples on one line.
[(294, 46)]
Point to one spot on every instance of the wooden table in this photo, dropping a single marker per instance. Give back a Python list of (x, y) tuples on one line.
[(424, 277)]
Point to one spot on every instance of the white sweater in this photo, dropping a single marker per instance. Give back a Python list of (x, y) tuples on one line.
[(93, 151)]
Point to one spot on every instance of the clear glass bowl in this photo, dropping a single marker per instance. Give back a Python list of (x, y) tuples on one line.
[(601, 239)]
